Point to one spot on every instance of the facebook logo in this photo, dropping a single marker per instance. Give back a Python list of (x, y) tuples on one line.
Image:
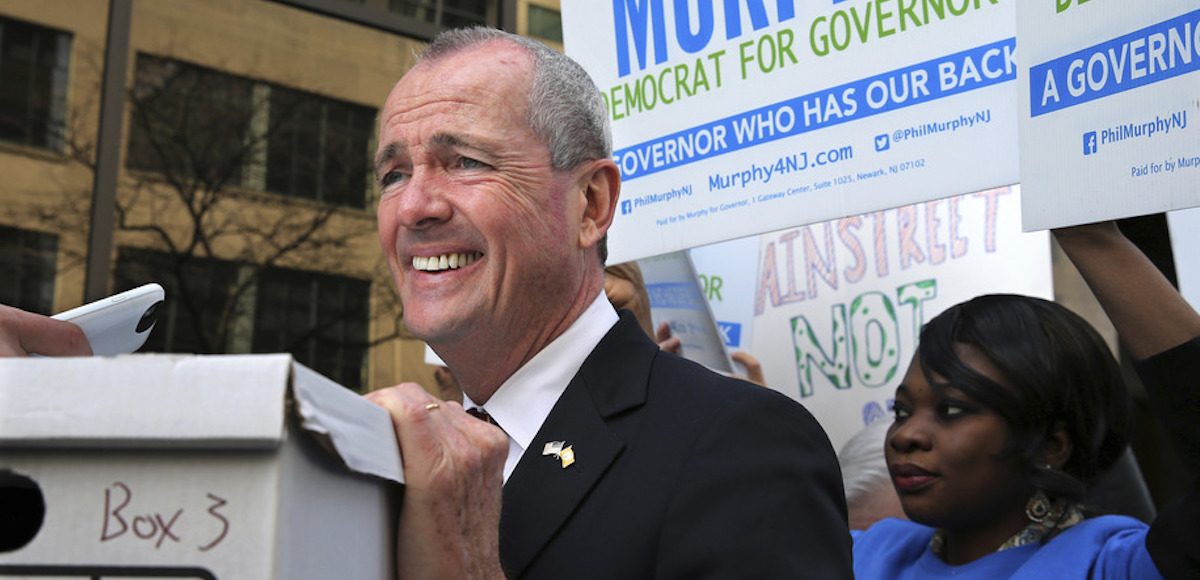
[(1089, 143), (626, 207)]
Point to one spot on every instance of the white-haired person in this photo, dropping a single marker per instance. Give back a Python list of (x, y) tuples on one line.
[(870, 496)]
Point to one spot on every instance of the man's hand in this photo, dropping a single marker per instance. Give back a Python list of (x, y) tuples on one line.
[(23, 333), (454, 474)]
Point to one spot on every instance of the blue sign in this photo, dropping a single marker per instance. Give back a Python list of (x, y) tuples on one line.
[(1153, 54), (731, 333)]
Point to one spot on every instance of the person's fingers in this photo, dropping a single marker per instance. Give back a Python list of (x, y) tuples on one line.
[(666, 341), (443, 447), (442, 376), (408, 404), (415, 420), (482, 456), (663, 332), (448, 389), (24, 333), (454, 469), (672, 345), (487, 444), (754, 370), (454, 474), (620, 292), (50, 337), (11, 348)]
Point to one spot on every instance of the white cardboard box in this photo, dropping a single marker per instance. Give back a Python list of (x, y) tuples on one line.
[(229, 467)]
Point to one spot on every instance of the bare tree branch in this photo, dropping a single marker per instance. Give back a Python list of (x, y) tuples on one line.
[(186, 200)]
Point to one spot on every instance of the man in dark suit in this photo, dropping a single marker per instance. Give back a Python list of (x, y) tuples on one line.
[(611, 459)]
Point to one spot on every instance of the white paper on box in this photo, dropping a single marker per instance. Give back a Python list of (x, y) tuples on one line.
[(362, 435)]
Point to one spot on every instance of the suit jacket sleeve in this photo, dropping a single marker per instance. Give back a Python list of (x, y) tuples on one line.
[(759, 497)]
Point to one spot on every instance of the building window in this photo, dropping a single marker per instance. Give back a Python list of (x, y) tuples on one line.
[(33, 83), (449, 13), (27, 268), (318, 148), (320, 318), (200, 127), (214, 306), (189, 123), (545, 23), (194, 317)]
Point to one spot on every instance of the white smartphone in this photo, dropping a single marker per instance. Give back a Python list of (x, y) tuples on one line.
[(120, 323)]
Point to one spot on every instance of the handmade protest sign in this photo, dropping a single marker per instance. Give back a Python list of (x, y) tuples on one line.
[(839, 305)]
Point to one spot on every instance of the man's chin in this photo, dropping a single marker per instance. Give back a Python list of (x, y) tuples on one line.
[(435, 331)]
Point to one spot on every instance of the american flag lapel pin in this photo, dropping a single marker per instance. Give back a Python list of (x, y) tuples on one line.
[(560, 450)]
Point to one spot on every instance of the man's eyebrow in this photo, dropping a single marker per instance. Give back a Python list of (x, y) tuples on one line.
[(440, 140), (386, 154), (450, 140)]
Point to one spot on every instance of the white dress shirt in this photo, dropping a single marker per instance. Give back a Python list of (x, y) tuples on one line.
[(523, 402)]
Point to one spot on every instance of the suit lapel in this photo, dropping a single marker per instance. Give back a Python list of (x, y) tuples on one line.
[(541, 494)]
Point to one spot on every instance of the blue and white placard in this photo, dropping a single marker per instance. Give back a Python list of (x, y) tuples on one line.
[(677, 299), (1110, 100), (737, 117)]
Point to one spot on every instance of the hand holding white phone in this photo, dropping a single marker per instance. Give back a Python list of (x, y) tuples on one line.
[(119, 324)]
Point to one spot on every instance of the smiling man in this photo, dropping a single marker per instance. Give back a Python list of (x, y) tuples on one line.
[(600, 456), (611, 459)]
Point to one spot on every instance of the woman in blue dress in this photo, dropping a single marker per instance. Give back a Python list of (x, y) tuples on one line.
[(1013, 405)]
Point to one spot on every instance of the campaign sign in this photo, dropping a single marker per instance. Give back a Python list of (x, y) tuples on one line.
[(738, 117), (676, 299), (839, 305), (1108, 109), (727, 273)]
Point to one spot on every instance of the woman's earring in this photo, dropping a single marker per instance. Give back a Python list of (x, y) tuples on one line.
[(1038, 507)]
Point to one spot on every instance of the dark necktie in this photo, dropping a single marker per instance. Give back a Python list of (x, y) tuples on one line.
[(482, 415)]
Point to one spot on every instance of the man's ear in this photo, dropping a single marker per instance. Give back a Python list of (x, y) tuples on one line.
[(599, 187)]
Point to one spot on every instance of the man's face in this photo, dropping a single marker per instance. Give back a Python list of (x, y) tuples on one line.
[(479, 231)]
